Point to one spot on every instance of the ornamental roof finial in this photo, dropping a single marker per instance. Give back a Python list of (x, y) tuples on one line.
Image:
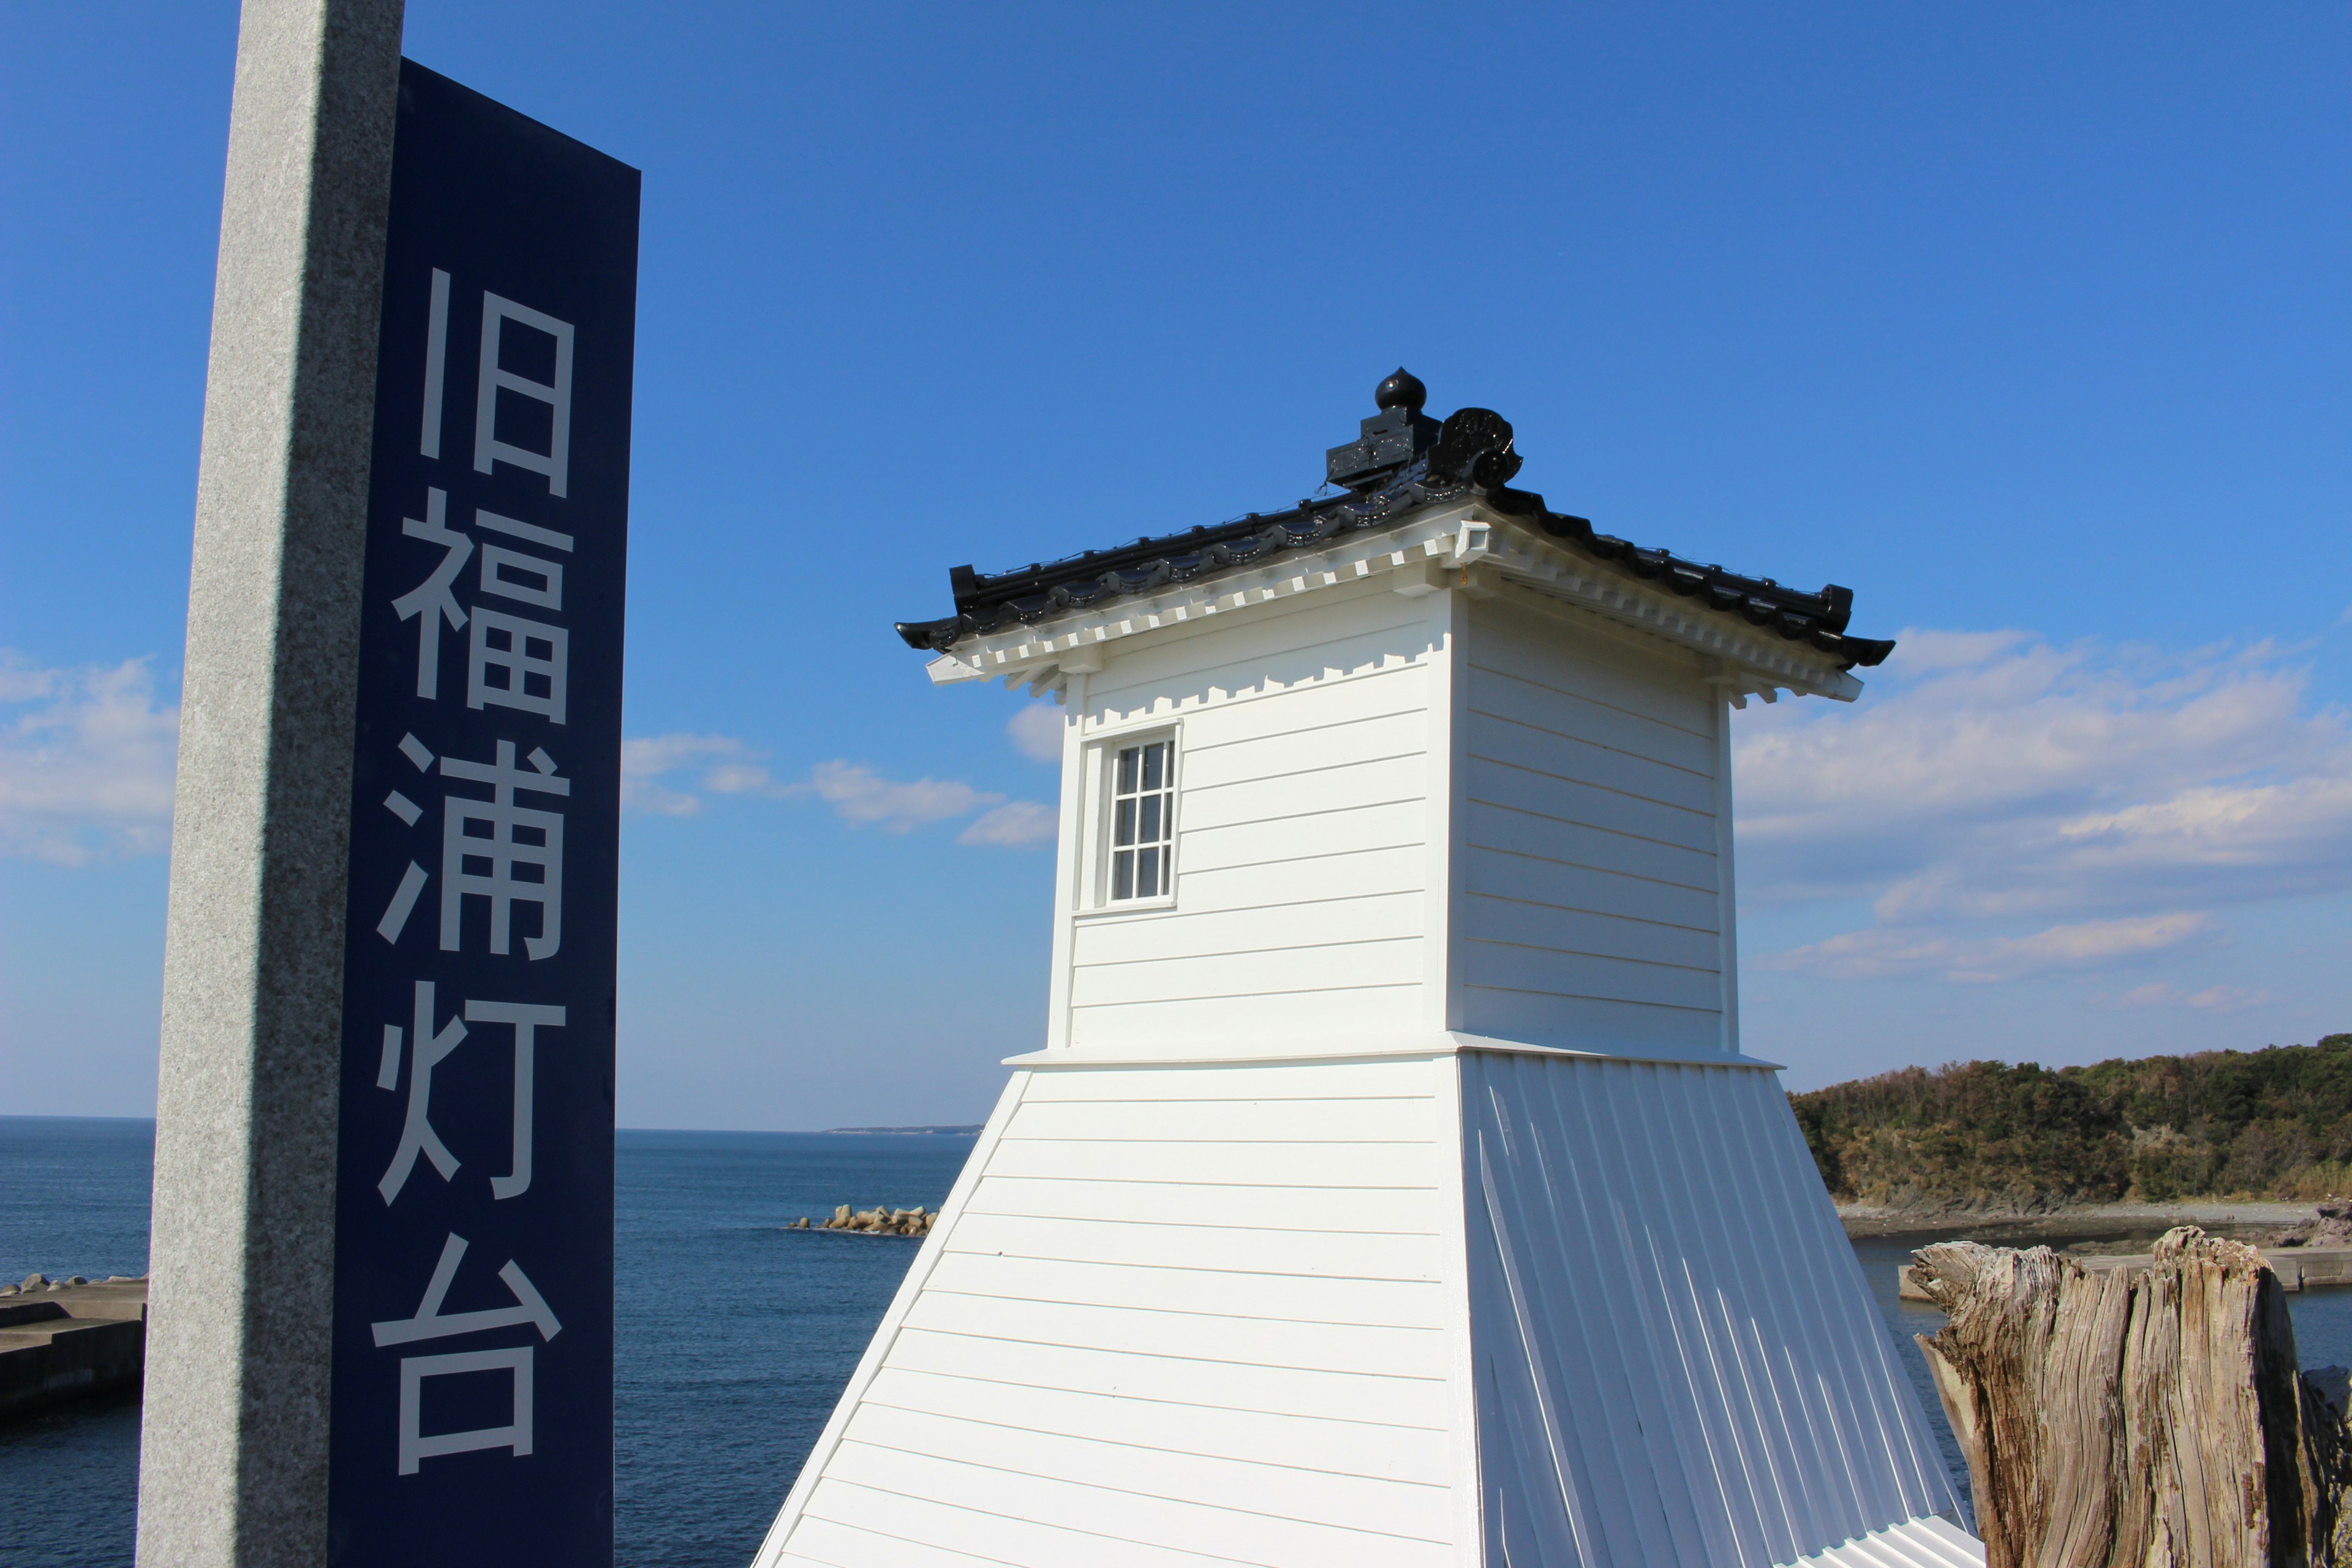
[(1402, 390)]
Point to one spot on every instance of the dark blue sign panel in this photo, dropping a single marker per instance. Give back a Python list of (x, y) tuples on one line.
[(473, 1360)]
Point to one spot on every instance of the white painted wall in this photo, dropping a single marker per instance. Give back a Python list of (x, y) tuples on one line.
[(1485, 1308), (1496, 815), (1678, 1363), (1410, 1295), (1307, 754), (1173, 1315), (1590, 896)]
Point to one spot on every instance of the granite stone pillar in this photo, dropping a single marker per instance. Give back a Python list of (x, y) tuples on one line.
[(232, 1456)]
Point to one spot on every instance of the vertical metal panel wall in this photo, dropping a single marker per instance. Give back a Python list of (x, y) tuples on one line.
[(1677, 1359)]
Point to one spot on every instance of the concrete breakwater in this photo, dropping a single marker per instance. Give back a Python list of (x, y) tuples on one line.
[(876, 1221), (60, 1339), (2297, 1268)]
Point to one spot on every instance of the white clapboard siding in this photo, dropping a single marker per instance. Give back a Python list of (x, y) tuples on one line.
[(1678, 1362), (1348, 1011), (1633, 1028), (1307, 881), (1267, 849), (1302, 820), (1277, 647), (1587, 906), (1173, 1314), (1212, 933)]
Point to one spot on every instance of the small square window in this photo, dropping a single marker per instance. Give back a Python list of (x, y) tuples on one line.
[(1143, 821)]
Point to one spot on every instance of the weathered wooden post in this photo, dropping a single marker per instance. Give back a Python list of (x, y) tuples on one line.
[(1391, 1187), (2144, 1419)]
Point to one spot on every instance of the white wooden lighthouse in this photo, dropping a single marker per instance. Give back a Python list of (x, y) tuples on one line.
[(1391, 1187)]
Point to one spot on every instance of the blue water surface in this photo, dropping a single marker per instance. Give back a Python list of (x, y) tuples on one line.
[(736, 1334)]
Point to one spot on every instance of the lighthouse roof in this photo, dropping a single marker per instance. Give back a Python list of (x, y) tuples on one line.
[(1401, 465)]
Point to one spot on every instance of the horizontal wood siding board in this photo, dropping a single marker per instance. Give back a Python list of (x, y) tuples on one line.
[(1324, 830), (1276, 645), (1521, 699), (835, 1545), (1302, 880), (1397, 1212), (1216, 757), (1251, 972), (1385, 917), (1415, 1304), (1662, 685), (1539, 836), (1565, 800), (1361, 662), (1225, 731), (881, 1507), (1543, 972), (1504, 874), (1138, 1517), (1290, 1494), (1319, 1080), (1221, 1386), (1283, 621), (1208, 1120), (1343, 1257), (1351, 1164), (1374, 1351), (1525, 922), (1276, 1021), (1383, 782), (1565, 758), (1587, 1024), (1401, 1454)]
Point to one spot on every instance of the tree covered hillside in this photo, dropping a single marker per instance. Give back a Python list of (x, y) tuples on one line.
[(2273, 1123)]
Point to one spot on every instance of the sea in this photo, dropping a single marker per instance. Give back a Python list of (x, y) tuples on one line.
[(736, 1333)]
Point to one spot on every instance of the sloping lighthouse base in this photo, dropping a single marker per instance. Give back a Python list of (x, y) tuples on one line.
[(1463, 1303)]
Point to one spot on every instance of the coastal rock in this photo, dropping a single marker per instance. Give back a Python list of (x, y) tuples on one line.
[(881, 1221), (35, 1282), (2331, 1226)]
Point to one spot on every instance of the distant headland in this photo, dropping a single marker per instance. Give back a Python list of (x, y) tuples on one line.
[(970, 1132), (1986, 1138)]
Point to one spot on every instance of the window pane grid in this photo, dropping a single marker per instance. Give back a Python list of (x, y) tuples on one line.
[(1143, 821)]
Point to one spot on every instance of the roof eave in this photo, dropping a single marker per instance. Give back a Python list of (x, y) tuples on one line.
[(1469, 545)]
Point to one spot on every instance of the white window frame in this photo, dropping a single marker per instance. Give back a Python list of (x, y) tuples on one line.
[(1102, 783)]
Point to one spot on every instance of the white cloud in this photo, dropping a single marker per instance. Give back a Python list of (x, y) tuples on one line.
[(86, 766), (1036, 732), (1015, 825), (671, 775), (1887, 952), (862, 796), (2212, 999), (1994, 781), (1998, 777), (720, 764)]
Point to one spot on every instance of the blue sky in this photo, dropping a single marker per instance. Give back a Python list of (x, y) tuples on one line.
[(2028, 323)]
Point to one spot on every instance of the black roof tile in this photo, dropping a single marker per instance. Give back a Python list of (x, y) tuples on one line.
[(1400, 463)]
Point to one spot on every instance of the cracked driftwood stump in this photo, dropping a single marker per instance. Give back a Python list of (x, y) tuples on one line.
[(2150, 1418)]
